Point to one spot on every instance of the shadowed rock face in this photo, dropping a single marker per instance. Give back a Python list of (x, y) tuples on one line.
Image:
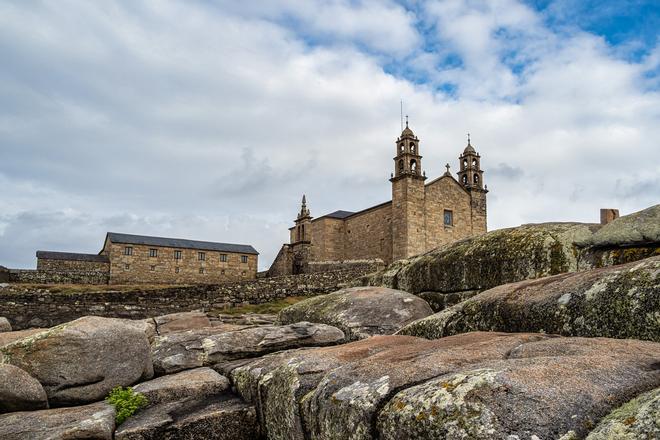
[(360, 312), (184, 350), (95, 421), (486, 261), (475, 385), (193, 404), (638, 419), (618, 302), (81, 361)]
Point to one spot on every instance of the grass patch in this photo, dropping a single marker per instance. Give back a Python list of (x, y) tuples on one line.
[(126, 402), (272, 307)]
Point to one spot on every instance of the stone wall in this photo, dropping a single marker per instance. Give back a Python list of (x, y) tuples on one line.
[(364, 266), (42, 308), (4, 275), (60, 265), (447, 194), (140, 267), (369, 234), (57, 277)]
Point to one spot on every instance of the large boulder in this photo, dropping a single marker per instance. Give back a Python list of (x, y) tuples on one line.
[(96, 421), (196, 348), (639, 228), (19, 391), (629, 238), (360, 312), (488, 260), (638, 419), (81, 361), (5, 326), (618, 302), (474, 385)]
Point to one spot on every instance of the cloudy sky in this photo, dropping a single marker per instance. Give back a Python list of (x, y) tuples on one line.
[(209, 119)]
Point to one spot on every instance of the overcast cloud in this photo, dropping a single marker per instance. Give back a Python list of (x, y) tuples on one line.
[(209, 119)]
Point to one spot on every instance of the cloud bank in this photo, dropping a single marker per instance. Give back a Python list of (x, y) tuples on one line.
[(208, 120)]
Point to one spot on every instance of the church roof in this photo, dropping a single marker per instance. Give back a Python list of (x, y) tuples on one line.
[(71, 256), (407, 132), (115, 237), (469, 149), (339, 214)]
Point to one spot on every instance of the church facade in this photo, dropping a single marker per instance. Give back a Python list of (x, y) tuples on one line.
[(421, 216)]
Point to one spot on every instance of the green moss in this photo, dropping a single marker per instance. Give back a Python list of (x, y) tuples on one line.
[(272, 307), (126, 402)]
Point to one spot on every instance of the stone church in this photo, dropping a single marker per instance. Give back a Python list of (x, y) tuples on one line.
[(421, 216)]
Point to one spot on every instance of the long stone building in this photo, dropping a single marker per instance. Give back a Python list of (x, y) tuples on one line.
[(421, 216), (129, 259)]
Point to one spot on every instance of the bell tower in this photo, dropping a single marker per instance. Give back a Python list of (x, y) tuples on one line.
[(470, 174), (300, 234), (471, 177), (408, 198)]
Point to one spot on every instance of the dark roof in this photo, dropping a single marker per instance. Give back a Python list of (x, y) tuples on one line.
[(180, 243), (51, 255), (339, 214)]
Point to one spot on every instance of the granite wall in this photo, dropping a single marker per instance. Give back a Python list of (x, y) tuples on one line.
[(57, 277), (27, 308)]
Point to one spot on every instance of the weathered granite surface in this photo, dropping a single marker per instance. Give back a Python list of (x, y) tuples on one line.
[(196, 348), (81, 361), (618, 302), (360, 312)]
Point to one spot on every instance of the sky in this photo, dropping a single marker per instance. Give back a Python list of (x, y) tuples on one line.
[(208, 120)]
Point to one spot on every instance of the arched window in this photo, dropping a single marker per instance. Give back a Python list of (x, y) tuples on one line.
[(413, 166), (474, 162), (401, 148), (464, 178), (400, 166), (412, 148), (476, 178), (302, 234), (464, 163)]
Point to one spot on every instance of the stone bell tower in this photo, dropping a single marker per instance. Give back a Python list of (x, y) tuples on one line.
[(301, 230), (408, 224), (471, 177)]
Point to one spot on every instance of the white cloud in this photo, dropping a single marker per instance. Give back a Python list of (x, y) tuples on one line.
[(209, 121)]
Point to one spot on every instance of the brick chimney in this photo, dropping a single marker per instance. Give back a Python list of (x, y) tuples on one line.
[(607, 215)]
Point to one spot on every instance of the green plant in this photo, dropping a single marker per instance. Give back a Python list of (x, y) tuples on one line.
[(126, 402)]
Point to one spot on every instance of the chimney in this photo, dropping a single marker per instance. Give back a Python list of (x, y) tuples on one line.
[(607, 215)]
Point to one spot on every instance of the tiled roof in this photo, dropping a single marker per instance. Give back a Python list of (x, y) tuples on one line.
[(72, 256), (339, 214), (180, 243)]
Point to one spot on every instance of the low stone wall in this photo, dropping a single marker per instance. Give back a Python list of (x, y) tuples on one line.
[(365, 266), (4, 274), (43, 308), (57, 277)]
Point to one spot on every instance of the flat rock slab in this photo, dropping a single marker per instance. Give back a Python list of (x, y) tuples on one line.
[(474, 385), (213, 419), (176, 322), (199, 383), (83, 360), (95, 421), (184, 350), (19, 391), (360, 312), (617, 301), (8, 337)]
